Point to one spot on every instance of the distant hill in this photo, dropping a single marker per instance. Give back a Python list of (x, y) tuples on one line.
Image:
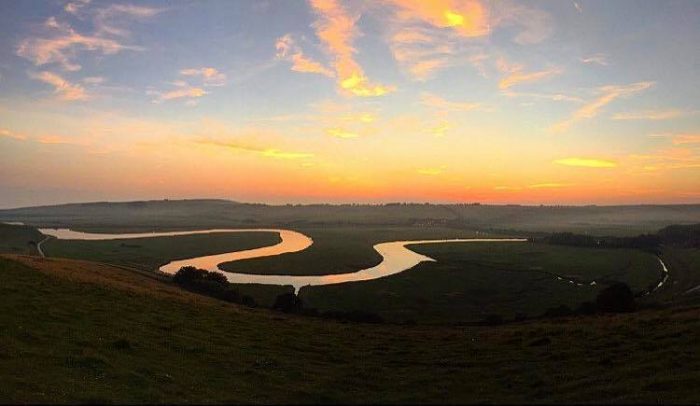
[(182, 214)]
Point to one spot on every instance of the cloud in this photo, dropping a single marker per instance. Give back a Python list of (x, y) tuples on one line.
[(534, 25), (63, 89), (111, 20), (274, 153), (13, 135), (74, 7), (551, 185), (341, 133), (436, 102), (466, 18), (439, 130), (288, 50), (653, 115), (432, 171), (277, 154), (606, 95), (210, 76), (336, 30), (183, 92), (62, 44), (586, 162), (681, 139), (515, 74), (599, 59)]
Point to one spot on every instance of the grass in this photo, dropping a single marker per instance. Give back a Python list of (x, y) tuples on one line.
[(471, 281), (151, 253), (16, 239), (340, 250), (146, 254), (72, 332)]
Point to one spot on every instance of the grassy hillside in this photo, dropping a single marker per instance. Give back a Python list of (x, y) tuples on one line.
[(80, 332), (474, 280)]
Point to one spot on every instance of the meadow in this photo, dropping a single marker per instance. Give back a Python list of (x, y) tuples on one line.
[(79, 332), (472, 281)]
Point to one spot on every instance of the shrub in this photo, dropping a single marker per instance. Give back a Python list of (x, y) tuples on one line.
[(216, 277), (616, 298)]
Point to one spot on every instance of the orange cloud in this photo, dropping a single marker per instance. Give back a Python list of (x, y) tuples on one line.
[(210, 76), (467, 18), (61, 46), (10, 134), (336, 30), (64, 89), (607, 95), (340, 133), (652, 115), (586, 162), (184, 92), (436, 102), (515, 74), (681, 139), (287, 49)]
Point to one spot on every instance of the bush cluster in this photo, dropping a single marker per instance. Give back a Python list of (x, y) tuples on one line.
[(212, 284)]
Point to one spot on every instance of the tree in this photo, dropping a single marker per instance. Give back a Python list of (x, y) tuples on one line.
[(616, 298), (188, 274)]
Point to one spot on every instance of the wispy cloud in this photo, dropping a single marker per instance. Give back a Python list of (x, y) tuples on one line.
[(445, 106), (210, 76), (266, 152), (599, 59), (341, 133), (63, 89), (586, 162), (11, 134), (62, 43), (550, 185), (515, 74), (606, 95), (183, 92), (336, 29), (653, 115), (681, 139), (432, 171), (288, 50)]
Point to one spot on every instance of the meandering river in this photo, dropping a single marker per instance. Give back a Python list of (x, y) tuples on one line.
[(396, 257)]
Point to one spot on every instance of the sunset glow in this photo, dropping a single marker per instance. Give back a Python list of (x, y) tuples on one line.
[(350, 101)]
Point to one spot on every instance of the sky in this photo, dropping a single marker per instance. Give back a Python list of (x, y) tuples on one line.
[(447, 101)]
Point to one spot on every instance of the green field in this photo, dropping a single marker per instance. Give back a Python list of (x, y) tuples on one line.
[(151, 253), (341, 250), (68, 336), (471, 281), (16, 239)]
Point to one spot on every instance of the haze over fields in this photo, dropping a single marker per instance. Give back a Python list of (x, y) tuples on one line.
[(567, 102)]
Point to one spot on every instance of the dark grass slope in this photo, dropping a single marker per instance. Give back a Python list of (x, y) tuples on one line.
[(79, 332)]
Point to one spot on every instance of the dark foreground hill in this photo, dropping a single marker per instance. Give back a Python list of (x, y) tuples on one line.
[(163, 214), (74, 331)]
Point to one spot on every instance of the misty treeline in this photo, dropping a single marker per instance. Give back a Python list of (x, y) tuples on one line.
[(686, 236)]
